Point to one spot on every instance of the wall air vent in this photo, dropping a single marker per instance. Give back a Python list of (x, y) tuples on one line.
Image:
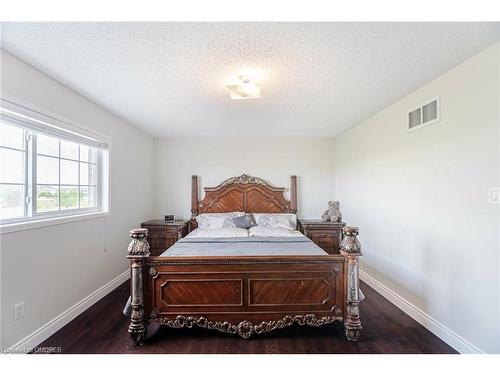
[(424, 115)]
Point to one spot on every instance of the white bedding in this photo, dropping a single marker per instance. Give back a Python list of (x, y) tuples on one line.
[(218, 232), (273, 232), (241, 232)]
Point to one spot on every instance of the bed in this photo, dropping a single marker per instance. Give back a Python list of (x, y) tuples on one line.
[(244, 285)]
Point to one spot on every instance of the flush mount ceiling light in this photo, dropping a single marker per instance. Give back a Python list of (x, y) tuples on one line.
[(245, 89)]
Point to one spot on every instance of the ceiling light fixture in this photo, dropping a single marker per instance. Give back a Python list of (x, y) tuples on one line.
[(245, 89)]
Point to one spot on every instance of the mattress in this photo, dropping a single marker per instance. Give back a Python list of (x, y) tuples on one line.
[(243, 246)]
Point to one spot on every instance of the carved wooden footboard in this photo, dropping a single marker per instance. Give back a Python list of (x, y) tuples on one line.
[(243, 295)]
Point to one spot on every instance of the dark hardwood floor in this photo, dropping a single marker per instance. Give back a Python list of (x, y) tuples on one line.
[(386, 329)]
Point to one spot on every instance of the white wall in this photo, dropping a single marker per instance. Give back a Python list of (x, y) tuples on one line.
[(215, 159), (52, 268), (420, 200)]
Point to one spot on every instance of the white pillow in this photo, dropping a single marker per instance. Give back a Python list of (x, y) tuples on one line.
[(273, 232), (287, 221), (218, 232), (219, 220)]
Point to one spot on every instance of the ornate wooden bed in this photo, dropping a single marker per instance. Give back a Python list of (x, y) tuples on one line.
[(244, 294)]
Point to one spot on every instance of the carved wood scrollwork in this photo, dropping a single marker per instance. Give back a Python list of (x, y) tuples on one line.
[(154, 314), (244, 180), (215, 261), (243, 193), (246, 328), (153, 272)]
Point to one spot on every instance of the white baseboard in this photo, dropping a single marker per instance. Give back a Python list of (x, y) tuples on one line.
[(48, 329), (440, 330)]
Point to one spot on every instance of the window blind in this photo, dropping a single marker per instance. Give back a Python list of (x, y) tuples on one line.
[(36, 121)]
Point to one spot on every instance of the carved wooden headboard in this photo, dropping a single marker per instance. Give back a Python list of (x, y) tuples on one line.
[(243, 193)]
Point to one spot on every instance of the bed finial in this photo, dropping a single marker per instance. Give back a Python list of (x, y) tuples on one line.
[(351, 249), (137, 251), (139, 246), (293, 194)]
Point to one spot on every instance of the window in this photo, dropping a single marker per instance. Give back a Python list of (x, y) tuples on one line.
[(47, 171), (66, 175), (12, 171)]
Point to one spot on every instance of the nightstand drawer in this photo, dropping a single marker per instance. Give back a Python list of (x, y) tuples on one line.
[(323, 235), (170, 234)]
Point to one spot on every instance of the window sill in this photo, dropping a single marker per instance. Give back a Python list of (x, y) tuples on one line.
[(27, 225)]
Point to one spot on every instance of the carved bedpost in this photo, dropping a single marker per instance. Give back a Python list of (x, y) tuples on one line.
[(194, 196), (293, 194), (351, 249), (138, 249)]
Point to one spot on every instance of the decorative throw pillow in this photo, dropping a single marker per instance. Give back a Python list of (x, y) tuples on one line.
[(219, 220), (287, 221), (245, 221)]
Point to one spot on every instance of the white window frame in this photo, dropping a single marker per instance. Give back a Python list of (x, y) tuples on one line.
[(34, 122)]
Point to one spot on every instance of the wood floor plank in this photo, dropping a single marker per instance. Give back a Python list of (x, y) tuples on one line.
[(386, 329)]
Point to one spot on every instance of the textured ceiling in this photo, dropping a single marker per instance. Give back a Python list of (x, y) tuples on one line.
[(317, 79)]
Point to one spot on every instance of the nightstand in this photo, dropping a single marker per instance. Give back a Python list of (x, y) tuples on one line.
[(163, 234), (325, 234)]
